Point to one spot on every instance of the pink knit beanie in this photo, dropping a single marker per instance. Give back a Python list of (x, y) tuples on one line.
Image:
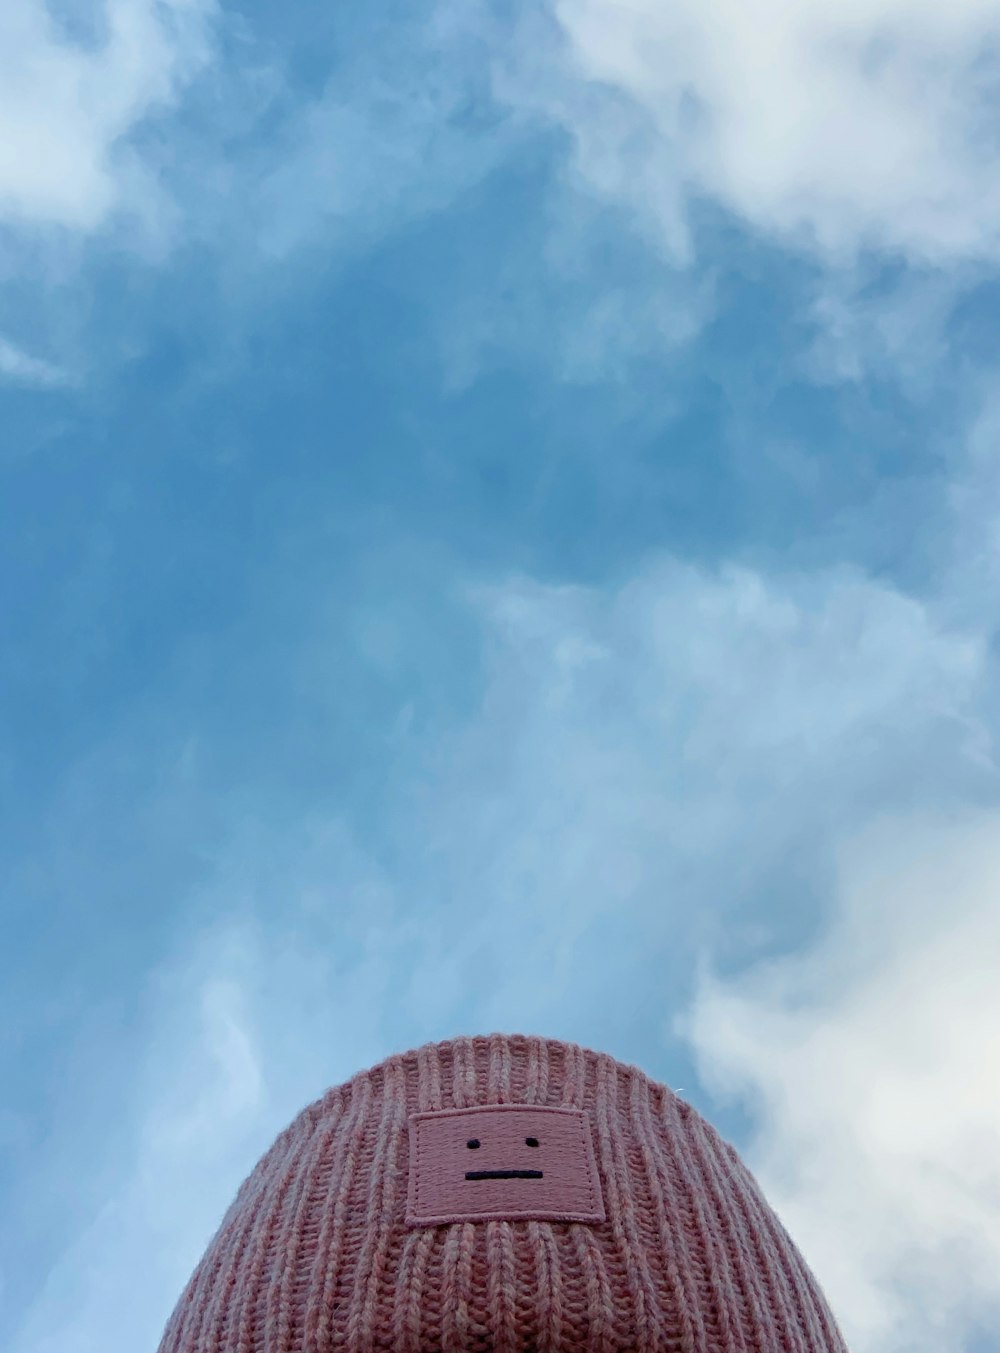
[(501, 1193)]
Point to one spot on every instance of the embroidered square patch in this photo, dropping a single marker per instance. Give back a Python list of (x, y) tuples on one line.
[(503, 1162)]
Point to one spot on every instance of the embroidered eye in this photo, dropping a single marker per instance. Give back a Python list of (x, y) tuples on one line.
[(472, 1143), (531, 1141)]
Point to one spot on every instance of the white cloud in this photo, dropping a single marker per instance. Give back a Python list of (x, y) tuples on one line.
[(834, 126), (20, 368), (873, 1065), (68, 107)]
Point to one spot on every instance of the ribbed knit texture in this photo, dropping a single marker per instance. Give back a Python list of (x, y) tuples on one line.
[(314, 1254)]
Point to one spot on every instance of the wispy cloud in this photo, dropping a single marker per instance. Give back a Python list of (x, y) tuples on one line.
[(199, 1090), (20, 368), (402, 130)]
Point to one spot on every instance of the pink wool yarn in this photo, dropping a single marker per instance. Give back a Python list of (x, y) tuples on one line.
[(504, 1193)]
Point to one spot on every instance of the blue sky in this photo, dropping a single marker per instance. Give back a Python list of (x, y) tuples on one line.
[(499, 530)]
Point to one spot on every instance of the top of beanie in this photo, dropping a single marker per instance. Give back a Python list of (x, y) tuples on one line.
[(502, 1193)]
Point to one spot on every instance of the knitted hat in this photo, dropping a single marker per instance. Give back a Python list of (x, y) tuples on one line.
[(501, 1194)]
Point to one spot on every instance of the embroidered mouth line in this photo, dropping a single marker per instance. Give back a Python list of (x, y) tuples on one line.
[(503, 1174)]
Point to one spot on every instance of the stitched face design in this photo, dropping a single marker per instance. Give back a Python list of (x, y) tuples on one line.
[(504, 1161)]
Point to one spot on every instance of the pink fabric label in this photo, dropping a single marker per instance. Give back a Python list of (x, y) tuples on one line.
[(504, 1162)]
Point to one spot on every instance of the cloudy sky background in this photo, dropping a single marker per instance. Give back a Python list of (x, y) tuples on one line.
[(500, 531)]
